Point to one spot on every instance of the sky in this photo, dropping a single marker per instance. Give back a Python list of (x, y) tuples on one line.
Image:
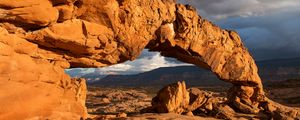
[(270, 29)]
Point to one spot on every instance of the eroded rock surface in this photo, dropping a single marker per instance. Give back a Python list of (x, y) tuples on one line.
[(173, 98), (207, 104), (198, 41), (112, 101), (33, 87), (39, 39)]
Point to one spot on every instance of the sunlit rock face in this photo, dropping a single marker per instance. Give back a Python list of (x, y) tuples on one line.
[(171, 99), (38, 40)]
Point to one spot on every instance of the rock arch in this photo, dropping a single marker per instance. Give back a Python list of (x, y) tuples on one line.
[(38, 40)]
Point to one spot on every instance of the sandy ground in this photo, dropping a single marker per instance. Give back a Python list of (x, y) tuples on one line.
[(115, 102)]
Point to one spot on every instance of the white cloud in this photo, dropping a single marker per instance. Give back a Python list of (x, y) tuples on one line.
[(118, 67), (156, 61), (146, 62)]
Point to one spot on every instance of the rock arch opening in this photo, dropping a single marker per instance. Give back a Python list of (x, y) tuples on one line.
[(149, 69)]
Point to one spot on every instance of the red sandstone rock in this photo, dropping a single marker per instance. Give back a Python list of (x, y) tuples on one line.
[(29, 12), (33, 87), (39, 39), (171, 99)]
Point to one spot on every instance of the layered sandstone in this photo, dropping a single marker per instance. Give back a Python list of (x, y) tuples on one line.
[(33, 87), (39, 39)]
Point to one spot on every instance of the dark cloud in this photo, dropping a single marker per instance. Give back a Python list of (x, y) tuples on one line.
[(270, 36), (269, 28), (220, 9)]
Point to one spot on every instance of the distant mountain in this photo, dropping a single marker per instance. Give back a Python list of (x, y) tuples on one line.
[(269, 70), (280, 69), (291, 62), (163, 76)]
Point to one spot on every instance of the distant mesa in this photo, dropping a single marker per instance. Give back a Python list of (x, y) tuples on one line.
[(270, 70)]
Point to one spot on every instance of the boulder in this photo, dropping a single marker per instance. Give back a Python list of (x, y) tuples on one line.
[(173, 98), (197, 98)]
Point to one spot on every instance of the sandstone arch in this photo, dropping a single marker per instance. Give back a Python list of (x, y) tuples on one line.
[(38, 40)]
